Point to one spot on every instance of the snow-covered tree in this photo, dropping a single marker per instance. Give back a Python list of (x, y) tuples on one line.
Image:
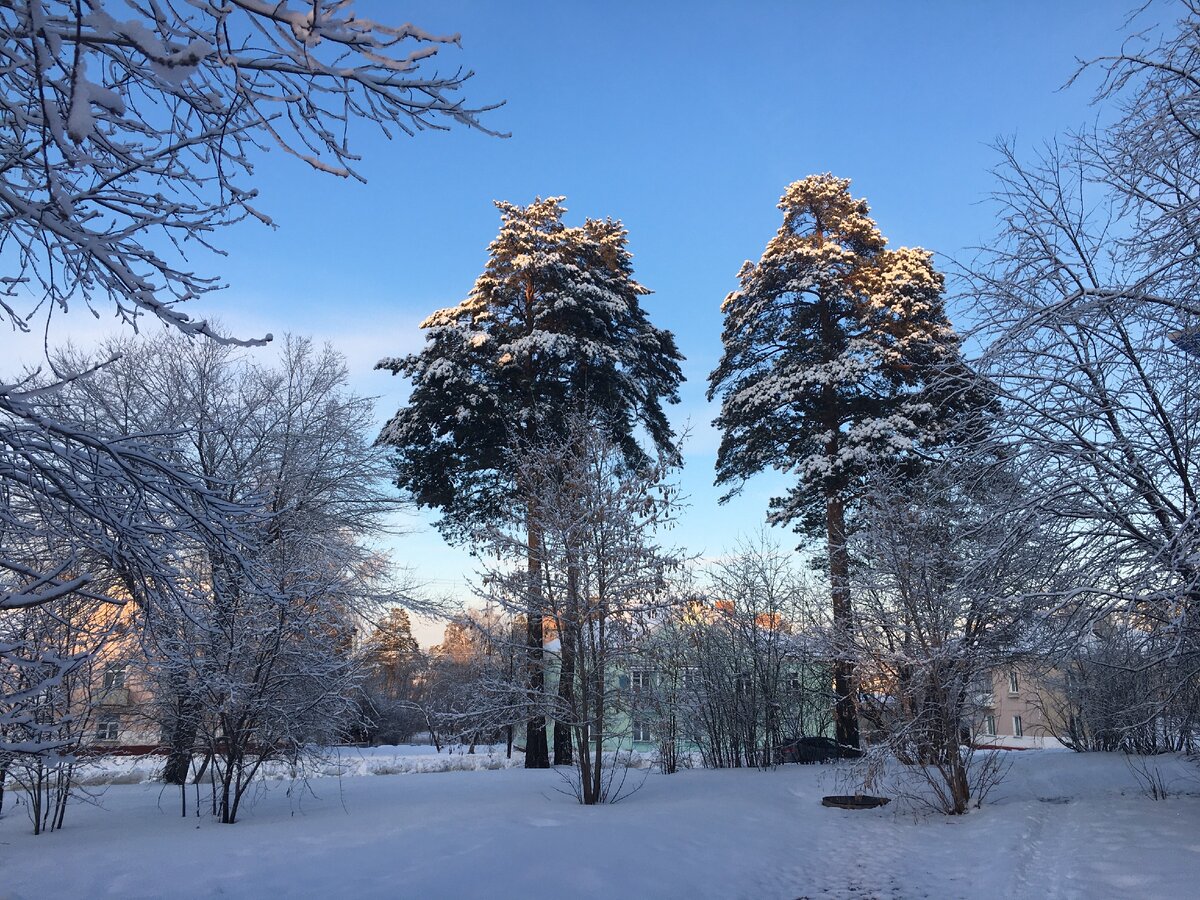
[(602, 575), (393, 676), (51, 689), (1149, 158), (953, 571), (763, 672), (1087, 301), (391, 649), (83, 515), (251, 656), (132, 131), (742, 668), (1124, 687), (1103, 403), (838, 354), (554, 325), (474, 691), (131, 136)]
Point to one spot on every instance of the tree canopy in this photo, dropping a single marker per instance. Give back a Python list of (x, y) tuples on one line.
[(554, 324), (833, 349)]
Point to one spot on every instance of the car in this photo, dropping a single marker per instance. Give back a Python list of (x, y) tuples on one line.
[(815, 749)]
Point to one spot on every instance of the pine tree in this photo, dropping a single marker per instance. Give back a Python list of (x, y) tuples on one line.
[(392, 651), (833, 348), (553, 325), (393, 634)]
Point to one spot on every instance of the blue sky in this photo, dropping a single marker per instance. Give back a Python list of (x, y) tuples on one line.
[(684, 119)]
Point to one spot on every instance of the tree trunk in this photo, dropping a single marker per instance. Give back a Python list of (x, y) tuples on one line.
[(599, 672), (183, 738), (537, 753), (597, 773), (846, 710), (960, 784), (566, 671), (566, 698), (583, 729)]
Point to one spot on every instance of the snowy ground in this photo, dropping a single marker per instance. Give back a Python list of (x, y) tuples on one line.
[(1062, 825)]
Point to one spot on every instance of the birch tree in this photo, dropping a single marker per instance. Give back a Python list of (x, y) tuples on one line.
[(955, 572), (1086, 298), (251, 656)]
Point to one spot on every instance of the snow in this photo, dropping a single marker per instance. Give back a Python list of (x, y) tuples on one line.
[(340, 762), (1062, 825)]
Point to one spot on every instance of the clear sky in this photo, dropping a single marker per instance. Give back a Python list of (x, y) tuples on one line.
[(684, 119)]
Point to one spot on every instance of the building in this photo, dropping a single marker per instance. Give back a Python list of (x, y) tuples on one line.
[(1014, 710), (121, 707)]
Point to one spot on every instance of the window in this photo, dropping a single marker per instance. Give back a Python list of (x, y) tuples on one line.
[(689, 677), (1013, 685), (680, 684), (1018, 728), (641, 731), (743, 683), (989, 726), (795, 683), (641, 681), (108, 729), (114, 676)]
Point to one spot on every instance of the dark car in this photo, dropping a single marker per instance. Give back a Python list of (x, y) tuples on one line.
[(814, 750)]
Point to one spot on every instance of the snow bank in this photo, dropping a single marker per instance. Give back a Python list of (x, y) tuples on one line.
[(335, 762), (344, 762)]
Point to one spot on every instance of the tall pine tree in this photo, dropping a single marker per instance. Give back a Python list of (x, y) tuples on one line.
[(833, 348), (554, 325)]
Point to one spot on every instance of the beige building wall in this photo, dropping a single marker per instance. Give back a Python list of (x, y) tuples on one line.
[(122, 709), (121, 702), (1013, 712)]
